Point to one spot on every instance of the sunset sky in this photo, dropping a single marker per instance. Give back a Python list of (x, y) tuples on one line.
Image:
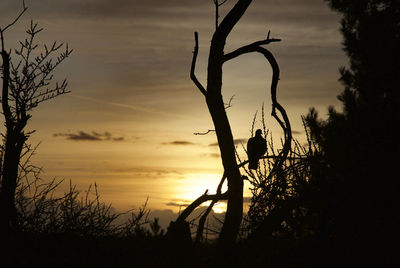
[(129, 120)]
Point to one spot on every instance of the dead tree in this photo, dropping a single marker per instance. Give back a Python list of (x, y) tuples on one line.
[(26, 83), (216, 107)]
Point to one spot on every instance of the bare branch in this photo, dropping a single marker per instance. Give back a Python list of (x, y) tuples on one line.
[(249, 48), (200, 227), (192, 69), (2, 30), (217, 5), (200, 200), (219, 188), (229, 104), (253, 123)]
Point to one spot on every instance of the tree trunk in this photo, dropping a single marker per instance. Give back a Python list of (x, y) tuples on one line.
[(234, 210), (216, 107), (15, 139), (12, 155)]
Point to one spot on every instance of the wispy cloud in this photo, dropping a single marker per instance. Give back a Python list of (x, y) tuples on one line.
[(235, 141), (214, 155), (128, 106), (183, 143), (93, 136)]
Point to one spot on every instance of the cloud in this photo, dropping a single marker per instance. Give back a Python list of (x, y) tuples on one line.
[(276, 10), (175, 204), (214, 155), (235, 141), (93, 136), (183, 143), (90, 9)]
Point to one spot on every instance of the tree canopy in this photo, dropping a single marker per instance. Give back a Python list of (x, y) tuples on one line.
[(357, 172)]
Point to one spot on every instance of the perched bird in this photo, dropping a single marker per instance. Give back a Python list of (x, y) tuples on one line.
[(256, 147)]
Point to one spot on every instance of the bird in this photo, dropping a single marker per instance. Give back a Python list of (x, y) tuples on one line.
[(256, 147)]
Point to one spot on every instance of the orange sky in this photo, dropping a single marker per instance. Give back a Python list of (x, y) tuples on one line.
[(129, 122)]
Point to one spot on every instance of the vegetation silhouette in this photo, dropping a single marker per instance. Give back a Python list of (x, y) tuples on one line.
[(340, 196), (26, 84), (359, 146), (329, 203)]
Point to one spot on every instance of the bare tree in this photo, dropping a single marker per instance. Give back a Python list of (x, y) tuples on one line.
[(26, 84), (216, 107)]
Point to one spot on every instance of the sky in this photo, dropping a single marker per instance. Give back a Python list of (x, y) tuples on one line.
[(129, 120)]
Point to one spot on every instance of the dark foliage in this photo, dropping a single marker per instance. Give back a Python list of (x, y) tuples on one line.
[(341, 193), (360, 145)]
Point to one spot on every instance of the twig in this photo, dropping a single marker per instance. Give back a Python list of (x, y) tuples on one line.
[(229, 104), (217, 5)]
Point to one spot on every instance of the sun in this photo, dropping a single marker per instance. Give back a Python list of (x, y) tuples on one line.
[(219, 207), (194, 185)]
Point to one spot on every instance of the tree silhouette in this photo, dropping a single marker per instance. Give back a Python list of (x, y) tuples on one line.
[(26, 84), (357, 173), (216, 107)]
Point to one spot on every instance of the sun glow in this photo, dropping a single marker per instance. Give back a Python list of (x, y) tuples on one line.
[(195, 184)]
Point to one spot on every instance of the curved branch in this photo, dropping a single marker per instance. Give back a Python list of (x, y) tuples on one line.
[(249, 48), (192, 69), (285, 124)]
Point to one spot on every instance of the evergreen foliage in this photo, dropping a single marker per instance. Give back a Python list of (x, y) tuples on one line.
[(357, 174)]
